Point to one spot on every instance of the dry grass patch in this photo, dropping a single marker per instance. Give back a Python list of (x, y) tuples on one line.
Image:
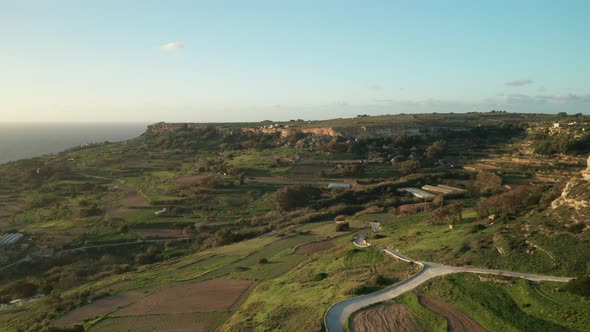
[(315, 247)]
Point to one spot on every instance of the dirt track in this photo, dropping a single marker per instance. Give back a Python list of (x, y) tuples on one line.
[(457, 321), (386, 317)]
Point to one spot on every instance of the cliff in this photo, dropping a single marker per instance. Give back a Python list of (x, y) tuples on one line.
[(357, 132)]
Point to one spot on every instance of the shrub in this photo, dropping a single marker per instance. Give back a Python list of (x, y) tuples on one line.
[(319, 276), (579, 286), (340, 217), (342, 226), (577, 228), (409, 166), (437, 149), (379, 280), (262, 261)]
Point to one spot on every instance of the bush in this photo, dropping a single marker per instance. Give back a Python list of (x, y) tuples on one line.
[(319, 276), (340, 217), (579, 286), (577, 228), (409, 166), (262, 261), (437, 149), (342, 226), (379, 280)]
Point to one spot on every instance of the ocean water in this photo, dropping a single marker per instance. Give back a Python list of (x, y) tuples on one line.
[(20, 141)]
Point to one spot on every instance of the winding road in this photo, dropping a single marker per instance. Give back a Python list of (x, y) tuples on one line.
[(337, 315)]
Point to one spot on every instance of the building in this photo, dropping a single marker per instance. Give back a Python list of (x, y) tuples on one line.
[(441, 188), (10, 239), (419, 193), (339, 186)]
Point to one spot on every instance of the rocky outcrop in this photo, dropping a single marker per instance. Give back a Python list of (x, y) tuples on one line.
[(165, 126), (357, 132), (576, 196)]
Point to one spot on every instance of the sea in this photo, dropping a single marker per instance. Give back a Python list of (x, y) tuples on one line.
[(27, 140)]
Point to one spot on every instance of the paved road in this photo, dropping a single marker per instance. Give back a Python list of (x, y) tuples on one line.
[(337, 315)]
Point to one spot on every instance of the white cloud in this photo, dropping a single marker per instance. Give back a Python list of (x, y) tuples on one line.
[(173, 46), (519, 82)]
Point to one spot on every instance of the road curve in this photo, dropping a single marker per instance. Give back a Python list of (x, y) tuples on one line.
[(337, 315)]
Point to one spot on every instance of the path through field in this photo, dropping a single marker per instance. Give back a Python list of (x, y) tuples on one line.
[(337, 315)]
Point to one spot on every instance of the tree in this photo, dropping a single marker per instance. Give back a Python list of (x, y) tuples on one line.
[(437, 149), (451, 214), (342, 226), (489, 178), (409, 166), (354, 170)]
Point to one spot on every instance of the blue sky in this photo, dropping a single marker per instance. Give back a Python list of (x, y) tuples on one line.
[(121, 61)]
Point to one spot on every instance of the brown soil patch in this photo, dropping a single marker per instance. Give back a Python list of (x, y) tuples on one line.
[(132, 198), (386, 317), (171, 323), (457, 321), (99, 307), (211, 295), (189, 179), (314, 247), (159, 232)]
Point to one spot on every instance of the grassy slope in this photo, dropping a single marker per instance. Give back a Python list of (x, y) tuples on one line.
[(523, 306)]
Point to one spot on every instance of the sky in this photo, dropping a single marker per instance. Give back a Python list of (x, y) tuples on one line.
[(213, 61)]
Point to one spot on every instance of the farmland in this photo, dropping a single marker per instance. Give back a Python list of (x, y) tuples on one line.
[(212, 227)]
